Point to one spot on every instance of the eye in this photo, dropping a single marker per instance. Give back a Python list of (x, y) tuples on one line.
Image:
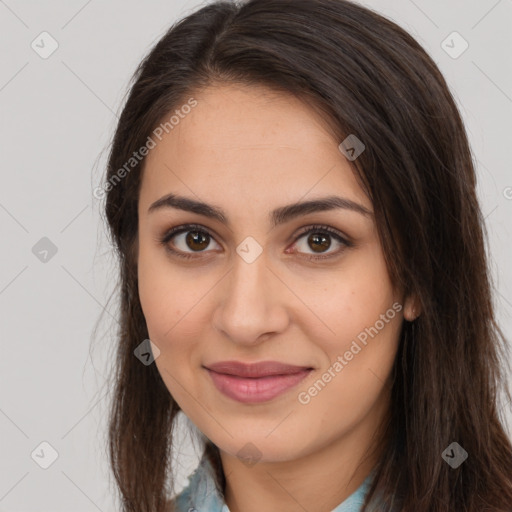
[(188, 236), (193, 238), (319, 240)]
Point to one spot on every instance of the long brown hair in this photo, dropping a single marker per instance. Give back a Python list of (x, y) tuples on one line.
[(368, 77)]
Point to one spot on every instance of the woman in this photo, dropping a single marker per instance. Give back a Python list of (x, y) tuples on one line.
[(292, 196)]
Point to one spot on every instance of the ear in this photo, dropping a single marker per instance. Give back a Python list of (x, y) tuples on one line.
[(412, 308)]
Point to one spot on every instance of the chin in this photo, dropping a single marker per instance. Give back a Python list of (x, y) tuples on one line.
[(257, 448)]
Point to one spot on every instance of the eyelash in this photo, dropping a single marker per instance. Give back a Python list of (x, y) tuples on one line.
[(316, 228)]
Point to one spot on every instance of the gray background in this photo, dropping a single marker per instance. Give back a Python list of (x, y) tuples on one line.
[(57, 117)]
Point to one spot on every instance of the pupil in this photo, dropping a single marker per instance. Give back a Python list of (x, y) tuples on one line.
[(315, 237), (194, 237)]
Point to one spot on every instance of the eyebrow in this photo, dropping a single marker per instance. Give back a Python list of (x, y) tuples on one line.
[(278, 216)]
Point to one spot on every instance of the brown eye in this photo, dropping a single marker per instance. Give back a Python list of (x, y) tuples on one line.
[(197, 240), (318, 242), (184, 241)]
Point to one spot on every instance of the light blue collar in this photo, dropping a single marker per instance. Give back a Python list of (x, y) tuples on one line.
[(203, 495)]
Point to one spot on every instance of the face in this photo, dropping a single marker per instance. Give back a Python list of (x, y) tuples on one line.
[(307, 288)]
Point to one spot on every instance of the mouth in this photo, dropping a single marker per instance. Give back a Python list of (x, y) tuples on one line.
[(257, 382)]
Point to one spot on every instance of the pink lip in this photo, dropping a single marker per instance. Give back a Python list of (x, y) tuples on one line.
[(258, 382)]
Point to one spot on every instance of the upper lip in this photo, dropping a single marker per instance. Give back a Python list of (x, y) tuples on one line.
[(260, 369)]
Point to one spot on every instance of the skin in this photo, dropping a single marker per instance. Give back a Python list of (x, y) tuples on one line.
[(249, 150)]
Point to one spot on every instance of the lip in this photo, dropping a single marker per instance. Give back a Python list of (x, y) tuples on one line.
[(256, 382)]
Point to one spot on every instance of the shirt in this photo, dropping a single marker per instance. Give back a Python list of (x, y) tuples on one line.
[(203, 495)]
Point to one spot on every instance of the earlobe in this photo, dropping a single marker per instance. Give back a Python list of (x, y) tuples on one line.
[(412, 308)]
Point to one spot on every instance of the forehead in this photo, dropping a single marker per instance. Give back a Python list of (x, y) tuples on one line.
[(253, 114), (263, 144)]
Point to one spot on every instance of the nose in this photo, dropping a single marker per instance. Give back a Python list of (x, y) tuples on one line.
[(251, 303)]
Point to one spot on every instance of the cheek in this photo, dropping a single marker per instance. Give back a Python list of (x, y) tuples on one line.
[(174, 303), (364, 321), (160, 294), (171, 305), (352, 299)]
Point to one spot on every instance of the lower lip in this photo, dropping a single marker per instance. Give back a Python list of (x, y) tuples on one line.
[(255, 390)]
